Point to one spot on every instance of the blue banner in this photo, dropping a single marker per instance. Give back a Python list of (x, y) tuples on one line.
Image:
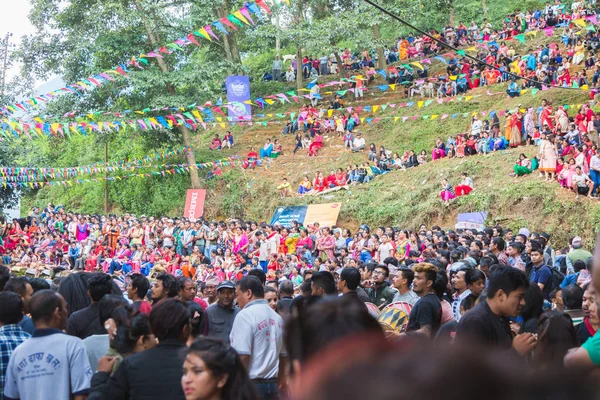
[(238, 91), (285, 215)]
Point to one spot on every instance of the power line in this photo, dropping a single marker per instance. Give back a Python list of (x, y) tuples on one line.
[(397, 18)]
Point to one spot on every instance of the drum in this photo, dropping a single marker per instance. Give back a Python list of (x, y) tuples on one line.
[(394, 317), (373, 309)]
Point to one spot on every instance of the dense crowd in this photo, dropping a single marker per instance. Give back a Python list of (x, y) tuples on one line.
[(161, 308)]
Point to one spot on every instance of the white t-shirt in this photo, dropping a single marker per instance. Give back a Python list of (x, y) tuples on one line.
[(274, 243), (580, 179), (258, 332), (168, 241), (51, 365), (385, 251), (359, 142)]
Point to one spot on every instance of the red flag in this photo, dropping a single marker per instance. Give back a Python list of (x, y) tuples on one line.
[(262, 5), (192, 39)]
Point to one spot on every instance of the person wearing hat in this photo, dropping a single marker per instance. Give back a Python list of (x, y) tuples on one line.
[(577, 253), (222, 313)]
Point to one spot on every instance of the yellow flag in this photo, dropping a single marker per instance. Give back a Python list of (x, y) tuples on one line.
[(362, 120), (38, 120), (396, 119), (204, 33), (468, 98), (375, 108), (329, 112), (197, 115), (418, 65), (393, 86), (434, 116), (222, 125), (453, 77), (584, 87), (239, 16), (420, 104), (579, 22)]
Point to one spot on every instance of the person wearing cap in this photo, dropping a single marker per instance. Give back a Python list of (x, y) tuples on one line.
[(222, 313), (577, 253)]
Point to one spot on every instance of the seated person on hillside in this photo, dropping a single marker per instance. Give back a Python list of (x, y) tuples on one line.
[(340, 178), (466, 185), (337, 102), (439, 150), (331, 180), (267, 149), (315, 145), (513, 89), (359, 143), (284, 188), (305, 186), (277, 149), (216, 143), (524, 166), (251, 161), (228, 140)]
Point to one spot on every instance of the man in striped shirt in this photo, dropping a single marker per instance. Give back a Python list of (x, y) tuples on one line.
[(11, 334)]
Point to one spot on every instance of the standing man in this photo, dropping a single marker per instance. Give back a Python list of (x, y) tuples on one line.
[(222, 313), (187, 239), (50, 365), (137, 289), (210, 290), (11, 334), (277, 66), (461, 291), (22, 287), (488, 322), (349, 283), (426, 316), (541, 274), (402, 282), (257, 335), (165, 286), (323, 61), (84, 323)]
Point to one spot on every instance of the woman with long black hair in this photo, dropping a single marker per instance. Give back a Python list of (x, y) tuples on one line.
[(212, 370)]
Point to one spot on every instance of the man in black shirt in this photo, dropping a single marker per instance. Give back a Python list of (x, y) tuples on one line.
[(488, 324), (426, 315), (84, 323)]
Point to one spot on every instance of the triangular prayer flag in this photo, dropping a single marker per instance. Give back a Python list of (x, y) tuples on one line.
[(220, 27), (228, 23), (210, 32), (239, 16), (203, 32), (520, 38), (246, 14)]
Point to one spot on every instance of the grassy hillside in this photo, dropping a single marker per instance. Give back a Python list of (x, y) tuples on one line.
[(403, 198)]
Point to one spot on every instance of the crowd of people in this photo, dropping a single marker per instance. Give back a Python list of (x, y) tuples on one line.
[(243, 310)]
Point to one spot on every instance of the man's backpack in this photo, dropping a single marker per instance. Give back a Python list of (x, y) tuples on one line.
[(556, 280)]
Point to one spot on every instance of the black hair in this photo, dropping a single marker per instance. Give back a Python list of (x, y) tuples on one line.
[(254, 284), (579, 265), (534, 303), (43, 304), (572, 297), (440, 285), (507, 279), (286, 288), (140, 282), (518, 246), (407, 274), (260, 274), (352, 278), (38, 284), (468, 302), (385, 268), (170, 285), (107, 305), (198, 320), (325, 281), (11, 308), (99, 285), (473, 275), (499, 242), (556, 335), (131, 325), (17, 285), (221, 359), (317, 324), (4, 276), (168, 319)]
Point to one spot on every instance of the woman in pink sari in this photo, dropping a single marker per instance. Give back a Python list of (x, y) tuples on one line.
[(240, 241), (326, 244), (439, 150), (316, 144)]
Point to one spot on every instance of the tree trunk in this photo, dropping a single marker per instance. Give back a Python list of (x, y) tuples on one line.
[(185, 133), (106, 175), (277, 38), (484, 8), (299, 83), (340, 63), (232, 50), (451, 12), (379, 49)]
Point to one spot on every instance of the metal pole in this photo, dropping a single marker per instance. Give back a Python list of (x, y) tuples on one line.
[(106, 176)]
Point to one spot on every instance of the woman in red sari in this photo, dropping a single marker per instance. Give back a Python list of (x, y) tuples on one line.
[(546, 115), (320, 183), (515, 129), (11, 240), (251, 161), (316, 144)]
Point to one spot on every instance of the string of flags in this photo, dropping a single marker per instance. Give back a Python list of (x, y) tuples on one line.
[(99, 167), (235, 20), (234, 161)]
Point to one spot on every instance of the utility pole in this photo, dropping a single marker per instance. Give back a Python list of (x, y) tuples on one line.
[(5, 45), (106, 176)]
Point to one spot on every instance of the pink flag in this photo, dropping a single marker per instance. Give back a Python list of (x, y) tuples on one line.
[(404, 119), (549, 31), (444, 116), (210, 32), (592, 19), (426, 61), (414, 117), (246, 14)]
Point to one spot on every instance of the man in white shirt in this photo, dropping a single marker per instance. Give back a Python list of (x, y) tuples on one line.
[(402, 282), (359, 143), (257, 336), (51, 365), (476, 127)]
